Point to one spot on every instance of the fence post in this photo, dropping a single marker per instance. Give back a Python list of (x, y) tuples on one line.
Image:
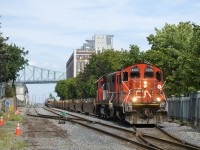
[(193, 98), (198, 108), (172, 108), (181, 108)]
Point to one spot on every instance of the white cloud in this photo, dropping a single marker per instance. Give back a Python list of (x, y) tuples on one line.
[(51, 29)]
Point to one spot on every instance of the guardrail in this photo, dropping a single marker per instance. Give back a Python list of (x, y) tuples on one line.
[(185, 109)]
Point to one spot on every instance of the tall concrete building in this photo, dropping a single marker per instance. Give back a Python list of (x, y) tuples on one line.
[(80, 57)]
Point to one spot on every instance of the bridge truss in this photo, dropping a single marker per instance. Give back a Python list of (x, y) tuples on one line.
[(36, 75)]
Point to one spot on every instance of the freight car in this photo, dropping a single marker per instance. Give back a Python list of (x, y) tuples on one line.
[(49, 102), (133, 94)]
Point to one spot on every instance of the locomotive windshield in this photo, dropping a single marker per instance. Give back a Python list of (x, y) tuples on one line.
[(159, 76), (148, 72), (135, 73)]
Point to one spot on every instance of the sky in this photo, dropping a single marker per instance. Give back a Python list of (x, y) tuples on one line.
[(51, 29)]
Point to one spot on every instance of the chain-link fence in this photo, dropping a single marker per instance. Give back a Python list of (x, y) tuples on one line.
[(185, 109)]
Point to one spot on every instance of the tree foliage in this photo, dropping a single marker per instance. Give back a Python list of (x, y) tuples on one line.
[(176, 50), (104, 63), (12, 60), (66, 89)]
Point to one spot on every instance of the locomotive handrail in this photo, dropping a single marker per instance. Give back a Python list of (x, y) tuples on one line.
[(112, 96), (125, 100)]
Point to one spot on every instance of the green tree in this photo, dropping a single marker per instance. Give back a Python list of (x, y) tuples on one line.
[(134, 56), (16, 60), (104, 63), (4, 58), (12, 60), (61, 89), (66, 89), (175, 49)]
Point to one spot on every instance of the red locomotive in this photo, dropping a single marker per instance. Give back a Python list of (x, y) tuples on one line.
[(133, 94)]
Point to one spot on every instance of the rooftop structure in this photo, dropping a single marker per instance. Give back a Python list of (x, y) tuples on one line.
[(80, 57)]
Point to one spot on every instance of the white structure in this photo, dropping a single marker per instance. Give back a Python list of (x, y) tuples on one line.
[(98, 43), (80, 57), (22, 93)]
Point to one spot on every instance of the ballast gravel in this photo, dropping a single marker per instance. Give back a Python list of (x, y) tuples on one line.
[(87, 139), (78, 138), (82, 138), (185, 133)]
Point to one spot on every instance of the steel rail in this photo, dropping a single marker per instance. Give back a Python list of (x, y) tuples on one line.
[(170, 142), (148, 143), (98, 122), (80, 122), (176, 139), (115, 135), (102, 131), (179, 142), (141, 136)]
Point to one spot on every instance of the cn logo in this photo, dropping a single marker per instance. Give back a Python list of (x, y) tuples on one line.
[(139, 94)]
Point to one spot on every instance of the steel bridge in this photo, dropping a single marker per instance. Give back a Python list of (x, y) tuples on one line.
[(36, 75)]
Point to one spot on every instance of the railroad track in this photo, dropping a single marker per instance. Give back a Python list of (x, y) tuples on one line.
[(36, 128), (155, 138), (114, 131), (163, 140), (37, 114)]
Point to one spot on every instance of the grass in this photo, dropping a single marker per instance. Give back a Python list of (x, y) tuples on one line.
[(13, 117), (8, 139)]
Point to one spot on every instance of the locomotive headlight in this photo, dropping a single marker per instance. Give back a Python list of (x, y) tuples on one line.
[(145, 84), (158, 99), (134, 99)]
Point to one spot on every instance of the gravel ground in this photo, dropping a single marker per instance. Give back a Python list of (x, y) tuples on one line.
[(86, 139), (78, 138), (185, 133), (81, 138)]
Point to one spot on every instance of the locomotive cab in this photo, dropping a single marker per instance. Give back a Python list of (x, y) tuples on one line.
[(142, 93)]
